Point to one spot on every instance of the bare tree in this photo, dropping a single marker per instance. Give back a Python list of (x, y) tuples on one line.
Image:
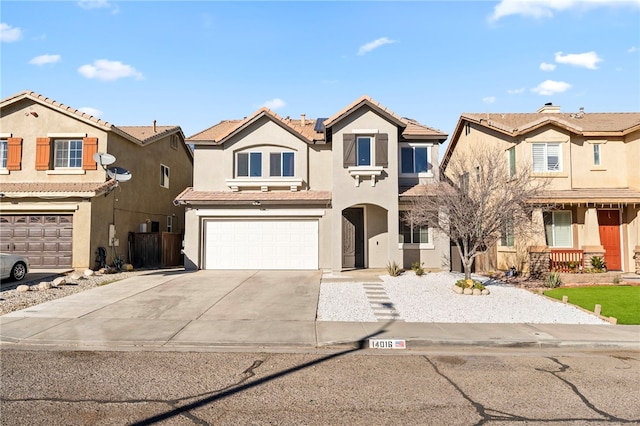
[(478, 201)]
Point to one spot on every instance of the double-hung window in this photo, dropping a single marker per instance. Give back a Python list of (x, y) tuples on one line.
[(557, 226), (507, 237), (512, 161), (414, 159), (249, 164), (413, 234), (281, 164), (3, 154), (596, 154), (547, 157), (67, 153), (363, 150), (164, 176)]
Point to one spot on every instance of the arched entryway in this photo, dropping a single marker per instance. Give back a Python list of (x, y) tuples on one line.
[(365, 237)]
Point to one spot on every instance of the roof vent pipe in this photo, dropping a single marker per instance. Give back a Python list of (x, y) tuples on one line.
[(154, 126)]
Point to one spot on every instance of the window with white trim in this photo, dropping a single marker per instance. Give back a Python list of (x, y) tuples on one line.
[(281, 164), (249, 164), (507, 237), (363, 150), (164, 176), (547, 157), (596, 154), (557, 227), (414, 160), (3, 153), (169, 224), (413, 234), (67, 153)]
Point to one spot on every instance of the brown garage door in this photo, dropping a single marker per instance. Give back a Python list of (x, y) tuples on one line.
[(46, 240)]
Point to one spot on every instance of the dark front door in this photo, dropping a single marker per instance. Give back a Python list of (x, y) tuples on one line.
[(353, 238), (609, 227)]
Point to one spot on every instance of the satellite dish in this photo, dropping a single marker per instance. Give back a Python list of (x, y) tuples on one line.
[(103, 158), (119, 174)]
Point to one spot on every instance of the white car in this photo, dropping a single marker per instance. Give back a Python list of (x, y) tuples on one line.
[(13, 266)]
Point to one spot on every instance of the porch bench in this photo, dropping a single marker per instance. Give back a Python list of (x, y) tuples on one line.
[(566, 260)]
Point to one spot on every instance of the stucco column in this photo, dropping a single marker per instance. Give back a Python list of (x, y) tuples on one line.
[(538, 234), (539, 253), (591, 244)]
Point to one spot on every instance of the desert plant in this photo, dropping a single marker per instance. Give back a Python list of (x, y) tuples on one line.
[(469, 283), (616, 279), (598, 264), (393, 268), (417, 268), (553, 280)]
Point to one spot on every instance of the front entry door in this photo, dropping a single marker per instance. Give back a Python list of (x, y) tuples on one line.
[(353, 238), (609, 227)]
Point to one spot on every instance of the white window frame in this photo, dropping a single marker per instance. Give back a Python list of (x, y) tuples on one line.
[(597, 154), (281, 155), (544, 157), (248, 154), (507, 239), (413, 146), (67, 161), (371, 154), (411, 244), (165, 174), (554, 226), (4, 151), (169, 223)]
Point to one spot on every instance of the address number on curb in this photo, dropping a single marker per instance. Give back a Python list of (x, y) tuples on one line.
[(387, 344)]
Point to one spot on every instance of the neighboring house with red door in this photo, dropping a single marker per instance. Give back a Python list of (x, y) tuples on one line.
[(280, 193), (592, 164), (58, 205)]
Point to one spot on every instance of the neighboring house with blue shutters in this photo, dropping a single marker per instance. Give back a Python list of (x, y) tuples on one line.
[(280, 193)]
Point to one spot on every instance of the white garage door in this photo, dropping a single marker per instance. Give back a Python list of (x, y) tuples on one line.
[(261, 244)]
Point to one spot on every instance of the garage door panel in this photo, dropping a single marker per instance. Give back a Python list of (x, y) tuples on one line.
[(261, 244)]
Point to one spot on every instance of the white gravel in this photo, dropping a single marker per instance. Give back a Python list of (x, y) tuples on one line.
[(430, 299)]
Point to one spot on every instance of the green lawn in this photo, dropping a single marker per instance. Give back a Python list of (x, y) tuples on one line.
[(621, 302)]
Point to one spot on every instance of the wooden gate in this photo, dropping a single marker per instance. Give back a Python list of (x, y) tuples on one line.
[(171, 249), (144, 249)]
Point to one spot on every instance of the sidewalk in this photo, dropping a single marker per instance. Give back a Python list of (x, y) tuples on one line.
[(145, 312)]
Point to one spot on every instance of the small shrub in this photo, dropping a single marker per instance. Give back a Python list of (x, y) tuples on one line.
[(616, 279), (470, 284), (393, 268), (598, 264), (553, 280), (417, 268)]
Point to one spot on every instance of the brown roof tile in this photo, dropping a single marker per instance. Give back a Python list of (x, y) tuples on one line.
[(595, 195), (415, 191), (147, 134), (189, 196), (357, 104), (27, 189)]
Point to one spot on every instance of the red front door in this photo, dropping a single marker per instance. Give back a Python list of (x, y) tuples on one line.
[(609, 227)]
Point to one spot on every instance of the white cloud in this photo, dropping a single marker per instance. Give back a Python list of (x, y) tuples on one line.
[(550, 87), (106, 70), (547, 8), (366, 48), (9, 34), (632, 49), (98, 4), (586, 60), (489, 99), (547, 67), (516, 91), (275, 103), (45, 59), (91, 111)]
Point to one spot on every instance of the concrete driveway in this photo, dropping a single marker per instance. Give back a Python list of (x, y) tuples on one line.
[(228, 307)]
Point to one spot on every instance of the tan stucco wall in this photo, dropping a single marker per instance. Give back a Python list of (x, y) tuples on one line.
[(384, 194), (632, 154)]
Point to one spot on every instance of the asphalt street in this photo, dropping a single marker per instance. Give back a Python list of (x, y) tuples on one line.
[(355, 387)]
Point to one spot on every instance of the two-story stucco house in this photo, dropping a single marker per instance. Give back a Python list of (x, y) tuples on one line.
[(591, 162), (280, 193), (58, 204)]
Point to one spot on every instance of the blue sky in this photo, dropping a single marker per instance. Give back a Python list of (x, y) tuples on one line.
[(195, 63)]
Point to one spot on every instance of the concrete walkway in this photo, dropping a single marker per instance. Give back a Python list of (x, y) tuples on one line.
[(254, 309)]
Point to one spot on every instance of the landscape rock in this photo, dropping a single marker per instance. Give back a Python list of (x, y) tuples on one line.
[(485, 292), (23, 288), (457, 289), (44, 285), (477, 292), (88, 273), (60, 281), (127, 267), (468, 291), (75, 276)]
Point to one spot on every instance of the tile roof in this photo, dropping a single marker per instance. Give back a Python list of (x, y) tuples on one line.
[(49, 189), (587, 123), (593, 195), (147, 134), (407, 192), (219, 133), (189, 196), (364, 100)]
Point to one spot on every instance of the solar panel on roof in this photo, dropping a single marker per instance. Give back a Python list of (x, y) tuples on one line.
[(319, 127)]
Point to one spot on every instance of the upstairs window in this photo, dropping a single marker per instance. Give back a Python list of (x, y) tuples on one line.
[(464, 183), (546, 157), (281, 164), (249, 164), (3, 154), (164, 176), (67, 153), (596, 154), (363, 151), (512, 161), (414, 160)]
